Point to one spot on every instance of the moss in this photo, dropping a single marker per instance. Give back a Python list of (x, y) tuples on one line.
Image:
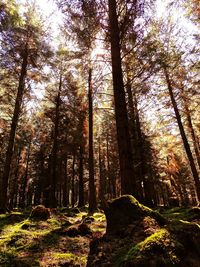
[(186, 214), (160, 247), (54, 222), (58, 259), (99, 216)]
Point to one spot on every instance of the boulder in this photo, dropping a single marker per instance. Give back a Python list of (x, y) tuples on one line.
[(40, 213), (137, 236), (124, 211)]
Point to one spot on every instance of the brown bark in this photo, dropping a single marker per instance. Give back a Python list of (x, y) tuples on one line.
[(73, 181), (137, 141), (15, 118), (183, 134), (190, 127), (92, 189), (81, 201), (101, 177), (25, 179), (128, 185), (14, 191), (54, 162), (65, 186)]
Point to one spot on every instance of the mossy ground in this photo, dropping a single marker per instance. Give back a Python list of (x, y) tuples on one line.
[(25, 242), (31, 243), (166, 246)]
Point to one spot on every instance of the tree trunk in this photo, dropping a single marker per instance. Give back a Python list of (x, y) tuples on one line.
[(14, 191), (101, 177), (137, 142), (191, 128), (92, 189), (25, 179), (183, 134), (15, 118), (128, 185), (73, 181), (54, 162), (81, 201), (65, 200)]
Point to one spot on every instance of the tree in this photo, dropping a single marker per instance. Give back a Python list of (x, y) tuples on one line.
[(25, 42), (128, 185)]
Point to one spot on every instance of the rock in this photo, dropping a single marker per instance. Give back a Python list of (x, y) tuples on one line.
[(137, 236), (40, 213), (124, 211)]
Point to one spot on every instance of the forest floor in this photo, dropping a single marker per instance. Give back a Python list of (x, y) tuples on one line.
[(62, 240)]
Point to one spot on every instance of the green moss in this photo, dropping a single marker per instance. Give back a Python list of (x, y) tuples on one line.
[(99, 216), (160, 245), (54, 222), (81, 214), (181, 225), (57, 258), (186, 214)]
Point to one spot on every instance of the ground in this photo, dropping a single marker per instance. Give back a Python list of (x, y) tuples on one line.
[(58, 241), (70, 235)]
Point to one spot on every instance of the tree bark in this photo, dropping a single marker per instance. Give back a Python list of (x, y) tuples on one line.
[(65, 186), (73, 181), (81, 201), (54, 162), (25, 179), (190, 127), (101, 176), (15, 118), (92, 189), (128, 185), (183, 134)]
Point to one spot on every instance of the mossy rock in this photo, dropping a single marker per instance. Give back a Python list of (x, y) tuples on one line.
[(124, 211), (40, 213), (159, 249), (139, 237)]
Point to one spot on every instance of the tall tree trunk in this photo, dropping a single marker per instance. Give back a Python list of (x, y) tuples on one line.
[(183, 134), (81, 201), (190, 127), (92, 189), (73, 181), (15, 118), (101, 177), (65, 200), (25, 179), (14, 191), (54, 162), (39, 185), (137, 142), (128, 185)]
